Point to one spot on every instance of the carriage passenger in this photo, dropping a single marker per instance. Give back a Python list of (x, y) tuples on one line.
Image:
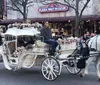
[(25, 42), (46, 33)]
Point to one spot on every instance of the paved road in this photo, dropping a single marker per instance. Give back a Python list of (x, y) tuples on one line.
[(33, 76)]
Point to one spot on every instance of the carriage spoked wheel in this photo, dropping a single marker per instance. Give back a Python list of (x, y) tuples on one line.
[(50, 68), (72, 65), (98, 69)]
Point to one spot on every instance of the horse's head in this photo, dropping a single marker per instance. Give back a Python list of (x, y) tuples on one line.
[(94, 42)]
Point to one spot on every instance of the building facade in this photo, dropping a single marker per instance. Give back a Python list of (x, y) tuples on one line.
[(62, 16), (33, 11)]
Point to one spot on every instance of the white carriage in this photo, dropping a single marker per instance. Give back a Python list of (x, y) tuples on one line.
[(22, 47)]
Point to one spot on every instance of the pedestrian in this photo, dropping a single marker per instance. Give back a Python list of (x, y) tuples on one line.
[(88, 35), (47, 34), (85, 36)]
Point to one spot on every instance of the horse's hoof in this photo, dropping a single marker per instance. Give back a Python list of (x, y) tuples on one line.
[(81, 75), (99, 79)]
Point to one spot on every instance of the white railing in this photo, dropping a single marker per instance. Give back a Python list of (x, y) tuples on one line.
[(68, 43)]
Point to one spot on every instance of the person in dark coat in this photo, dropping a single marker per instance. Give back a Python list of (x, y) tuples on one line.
[(47, 34), (84, 49)]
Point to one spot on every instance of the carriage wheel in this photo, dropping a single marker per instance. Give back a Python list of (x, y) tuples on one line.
[(50, 68), (98, 68), (72, 65)]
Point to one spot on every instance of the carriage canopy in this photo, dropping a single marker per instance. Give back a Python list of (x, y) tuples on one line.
[(28, 31)]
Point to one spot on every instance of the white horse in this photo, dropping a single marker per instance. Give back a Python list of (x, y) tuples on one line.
[(95, 44)]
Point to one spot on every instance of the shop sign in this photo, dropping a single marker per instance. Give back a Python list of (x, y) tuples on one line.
[(53, 8)]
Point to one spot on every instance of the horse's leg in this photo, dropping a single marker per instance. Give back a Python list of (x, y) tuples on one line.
[(97, 65), (85, 70)]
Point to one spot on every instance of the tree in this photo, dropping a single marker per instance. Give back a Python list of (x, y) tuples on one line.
[(21, 6), (1, 9), (77, 5)]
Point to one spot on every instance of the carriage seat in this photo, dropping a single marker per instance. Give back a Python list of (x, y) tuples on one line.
[(39, 43), (41, 47)]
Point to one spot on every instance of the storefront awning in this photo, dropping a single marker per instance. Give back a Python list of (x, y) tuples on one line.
[(54, 19)]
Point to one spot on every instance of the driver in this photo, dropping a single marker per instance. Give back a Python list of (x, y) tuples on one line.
[(46, 33)]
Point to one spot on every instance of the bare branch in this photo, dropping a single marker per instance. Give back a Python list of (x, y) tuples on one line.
[(30, 5), (20, 6), (70, 4), (84, 8), (11, 8), (29, 2), (18, 9)]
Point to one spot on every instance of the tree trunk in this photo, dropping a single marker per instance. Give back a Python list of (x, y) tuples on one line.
[(24, 18), (24, 14), (77, 27), (76, 32)]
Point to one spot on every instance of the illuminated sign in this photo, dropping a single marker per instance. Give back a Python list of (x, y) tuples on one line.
[(53, 8)]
